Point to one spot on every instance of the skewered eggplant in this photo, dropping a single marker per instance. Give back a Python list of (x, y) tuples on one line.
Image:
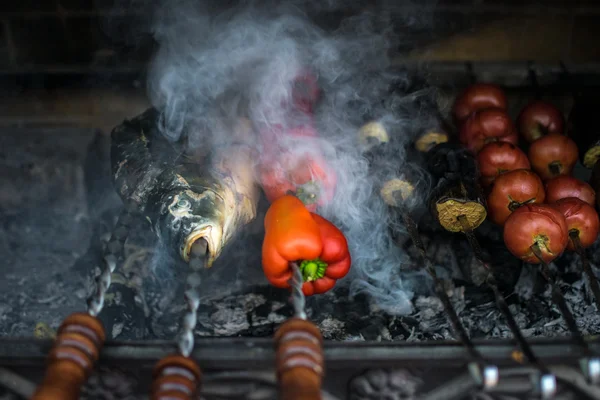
[(186, 197), (457, 193)]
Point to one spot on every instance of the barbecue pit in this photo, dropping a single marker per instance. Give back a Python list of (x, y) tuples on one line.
[(370, 352)]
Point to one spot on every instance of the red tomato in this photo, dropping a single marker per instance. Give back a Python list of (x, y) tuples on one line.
[(498, 157), (477, 97), (553, 155), (568, 186), (512, 190), (485, 126), (540, 118), (539, 224), (581, 219)]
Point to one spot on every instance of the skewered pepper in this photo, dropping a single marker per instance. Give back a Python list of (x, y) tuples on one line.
[(294, 234), (307, 176)]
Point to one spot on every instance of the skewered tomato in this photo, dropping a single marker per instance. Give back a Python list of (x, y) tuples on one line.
[(485, 126), (498, 157), (477, 97), (511, 190), (536, 224), (540, 118), (553, 155), (568, 186), (306, 173), (581, 218)]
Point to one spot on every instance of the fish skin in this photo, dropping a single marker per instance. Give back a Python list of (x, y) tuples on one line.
[(191, 198)]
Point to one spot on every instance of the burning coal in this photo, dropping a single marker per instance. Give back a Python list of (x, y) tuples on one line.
[(216, 72)]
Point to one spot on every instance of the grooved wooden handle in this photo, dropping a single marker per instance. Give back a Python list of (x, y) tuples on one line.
[(72, 358), (299, 360), (176, 377)]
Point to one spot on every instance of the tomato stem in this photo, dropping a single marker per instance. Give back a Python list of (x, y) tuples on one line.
[(307, 193), (543, 129), (555, 168), (574, 234), (513, 205), (313, 269)]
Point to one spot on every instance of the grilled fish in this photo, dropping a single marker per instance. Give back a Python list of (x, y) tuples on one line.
[(194, 197)]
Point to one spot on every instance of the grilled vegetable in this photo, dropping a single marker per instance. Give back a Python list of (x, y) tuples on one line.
[(539, 224), (582, 220), (372, 134), (305, 92), (429, 139), (457, 193), (485, 126), (200, 197), (568, 186), (498, 157), (510, 191), (477, 97), (553, 155), (305, 174), (540, 118), (397, 182), (293, 234), (584, 130)]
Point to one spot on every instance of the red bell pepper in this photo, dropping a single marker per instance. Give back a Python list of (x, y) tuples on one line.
[(305, 92), (307, 176), (293, 234)]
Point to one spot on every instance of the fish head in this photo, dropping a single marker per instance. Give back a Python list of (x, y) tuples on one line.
[(185, 215)]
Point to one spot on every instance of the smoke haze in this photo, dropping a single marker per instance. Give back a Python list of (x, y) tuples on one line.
[(213, 67)]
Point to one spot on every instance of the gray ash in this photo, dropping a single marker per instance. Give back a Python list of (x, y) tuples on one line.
[(52, 244)]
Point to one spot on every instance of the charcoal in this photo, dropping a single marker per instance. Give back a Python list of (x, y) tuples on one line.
[(54, 253)]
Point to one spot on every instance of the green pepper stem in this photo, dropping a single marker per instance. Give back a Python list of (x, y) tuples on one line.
[(313, 269)]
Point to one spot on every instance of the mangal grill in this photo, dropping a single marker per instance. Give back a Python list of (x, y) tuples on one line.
[(165, 193)]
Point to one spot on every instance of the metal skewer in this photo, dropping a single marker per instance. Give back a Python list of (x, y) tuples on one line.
[(587, 268), (81, 336), (547, 382), (486, 376), (590, 364), (299, 359), (197, 264), (112, 254), (298, 298), (178, 376)]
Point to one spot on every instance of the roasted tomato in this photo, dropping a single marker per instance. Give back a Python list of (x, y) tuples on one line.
[(498, 157), (477, 97), (553, 155), (485, 126), (540, 118), (540, 224), (511, 190), (582, 220), (565, 186)]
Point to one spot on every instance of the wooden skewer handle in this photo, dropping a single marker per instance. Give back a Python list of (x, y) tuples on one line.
[(176, 377), (299, 360), (72, 358)]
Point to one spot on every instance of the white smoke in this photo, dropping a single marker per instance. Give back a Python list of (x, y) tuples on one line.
[(243, 62)]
